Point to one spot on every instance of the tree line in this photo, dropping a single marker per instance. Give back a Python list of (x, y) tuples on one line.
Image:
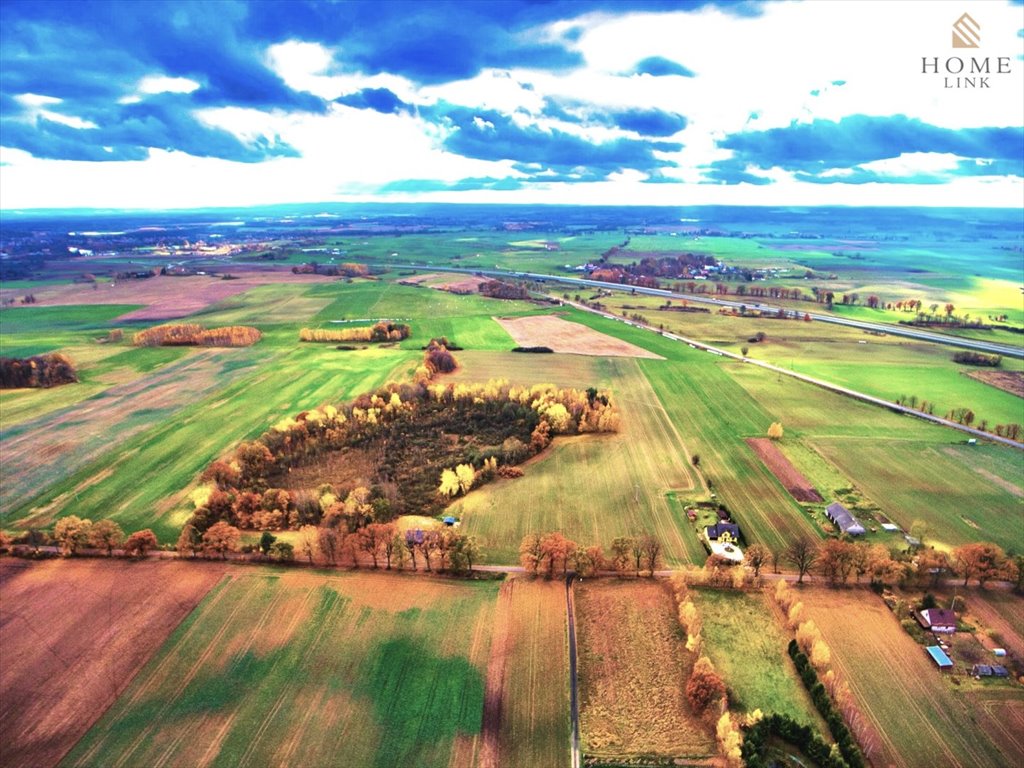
[(836, 561), (49, 370), (193, 335), (73, 533), (550, 554), (332, 543), (381, 331)]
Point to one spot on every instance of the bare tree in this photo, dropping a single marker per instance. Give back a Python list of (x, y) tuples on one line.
[(801, 554)]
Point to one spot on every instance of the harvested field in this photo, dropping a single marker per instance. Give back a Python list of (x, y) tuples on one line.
[(918, 716), (166, 297), (571, 338), (289, 668), (790, 477), (73, 634), (464, 285), (526, 704), (591, 487), (633, 668), (1008, 381)]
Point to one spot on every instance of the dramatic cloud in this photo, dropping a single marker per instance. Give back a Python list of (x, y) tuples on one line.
[(815, 148), (591, 101)]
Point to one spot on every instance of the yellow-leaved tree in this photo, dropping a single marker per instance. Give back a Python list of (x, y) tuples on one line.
[(449, 483), (775, 431), (466, 476)]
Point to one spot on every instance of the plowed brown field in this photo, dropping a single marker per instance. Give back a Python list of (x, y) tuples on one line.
[(790, 477), (572, 338), (73, 633)]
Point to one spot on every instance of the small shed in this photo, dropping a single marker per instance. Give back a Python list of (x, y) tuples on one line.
[(981, 670), (842, 517), (998, 670), (999, 651), (939, 620), (942, 661), (448, 520)]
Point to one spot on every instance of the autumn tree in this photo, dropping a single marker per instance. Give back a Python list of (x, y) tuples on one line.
[(466, 476), (981, 560), (106, 534), (373, 538), (466, 551), (932, 565), (309, 542), (775, 431), (221, 538), (530, 552), (140, 543), (621, 548), (755, 557), (329, 542), (449, 485), (555, 549), (72, 532), (650, 546), (801, 554), (282, 552), (704, 685), (189, 540), (835, 561)]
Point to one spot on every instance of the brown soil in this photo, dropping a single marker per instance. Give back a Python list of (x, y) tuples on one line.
[(501, 644), (572, 338), (417, 279), (633, 673), (73, 635), (342, 469), (164, 297), (790, 477), (466, 285), (1008, 381)]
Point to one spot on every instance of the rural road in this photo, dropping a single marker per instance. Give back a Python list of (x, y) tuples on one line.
[(894, 330), (574, 705)]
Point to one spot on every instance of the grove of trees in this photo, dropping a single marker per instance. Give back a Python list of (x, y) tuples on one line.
[(49, 370), (192, 335)]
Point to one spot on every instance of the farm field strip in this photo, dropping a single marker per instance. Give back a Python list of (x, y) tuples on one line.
[(591, 487), (633, 669), (383, 673), (533, 695), (74, 633), (920, 720), (744, 641)]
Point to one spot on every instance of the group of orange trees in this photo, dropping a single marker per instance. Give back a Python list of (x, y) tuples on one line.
[(193, 335), (400, 440), (381, 331), (48, 370)]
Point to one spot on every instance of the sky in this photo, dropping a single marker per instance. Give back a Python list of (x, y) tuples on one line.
[(629, 102)]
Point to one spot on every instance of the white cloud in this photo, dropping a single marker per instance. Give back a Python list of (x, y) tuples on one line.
[(154, 84)]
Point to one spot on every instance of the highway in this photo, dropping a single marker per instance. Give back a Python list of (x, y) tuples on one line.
[(909, 332)]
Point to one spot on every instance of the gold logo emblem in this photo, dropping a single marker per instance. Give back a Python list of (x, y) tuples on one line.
[(966, 32)]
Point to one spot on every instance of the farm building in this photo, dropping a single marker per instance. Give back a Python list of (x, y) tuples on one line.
[(841, 516), (981, 670), (725, 533), (998, 670), (942, 661), (938, 620)]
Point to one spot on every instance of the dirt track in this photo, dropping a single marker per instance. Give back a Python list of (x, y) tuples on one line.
[(791, 478), (73, 634)]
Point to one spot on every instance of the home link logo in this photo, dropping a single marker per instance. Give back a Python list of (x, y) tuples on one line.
[(966, 72), (966, 32)]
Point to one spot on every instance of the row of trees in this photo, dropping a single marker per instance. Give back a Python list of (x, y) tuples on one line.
[(552, 553), (73, 533), (193, 335), (381, 331), (374, 544), (838, 560), (48, 370)]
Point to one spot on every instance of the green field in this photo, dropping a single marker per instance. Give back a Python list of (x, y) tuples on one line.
[(744, 641), (591, 487), (309, 669)]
